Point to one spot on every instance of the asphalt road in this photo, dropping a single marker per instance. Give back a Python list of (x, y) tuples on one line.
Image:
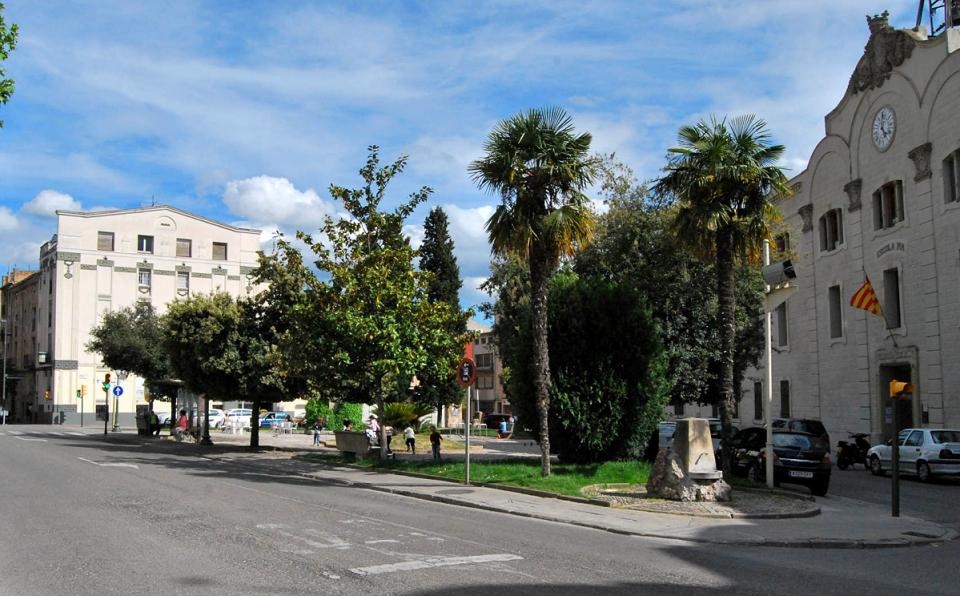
[(82, 516)]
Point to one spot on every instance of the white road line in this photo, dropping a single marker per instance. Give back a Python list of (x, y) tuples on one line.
[(77, 434), (31, 439), (432, 563), (110, 465)]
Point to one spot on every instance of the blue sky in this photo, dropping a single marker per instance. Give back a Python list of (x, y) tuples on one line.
[(246, 111)]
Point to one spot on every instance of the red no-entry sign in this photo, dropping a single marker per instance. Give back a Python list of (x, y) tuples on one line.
[(466, 372)]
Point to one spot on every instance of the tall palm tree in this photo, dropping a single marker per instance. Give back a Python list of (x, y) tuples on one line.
[(539, 165), (724, 175)]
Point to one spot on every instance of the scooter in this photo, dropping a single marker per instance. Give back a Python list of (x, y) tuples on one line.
[(855, 452)]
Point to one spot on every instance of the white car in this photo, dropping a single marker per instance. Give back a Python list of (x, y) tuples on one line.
[(240, 414), (216, 417), (925, 452)]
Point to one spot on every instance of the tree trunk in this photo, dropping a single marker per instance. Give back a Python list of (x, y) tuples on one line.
[(727, 333), (539, 276), (255, 423)]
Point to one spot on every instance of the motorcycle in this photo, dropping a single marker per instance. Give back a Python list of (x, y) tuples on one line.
[(853, 452)]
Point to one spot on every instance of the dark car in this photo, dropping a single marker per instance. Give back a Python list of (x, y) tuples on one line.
[(798, 458), (804, 425)]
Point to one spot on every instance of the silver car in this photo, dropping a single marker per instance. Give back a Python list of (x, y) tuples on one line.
[(925, 452)]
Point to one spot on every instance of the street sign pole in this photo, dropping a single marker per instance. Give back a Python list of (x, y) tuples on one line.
[(467, 376)]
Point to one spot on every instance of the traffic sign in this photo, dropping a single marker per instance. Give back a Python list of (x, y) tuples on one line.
[(118, 390), (466, 372)]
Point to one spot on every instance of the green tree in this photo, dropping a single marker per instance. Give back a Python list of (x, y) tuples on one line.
[(724, 175), (539, 166), (366, 324), (8, 42), (438, 384), (219, 347)]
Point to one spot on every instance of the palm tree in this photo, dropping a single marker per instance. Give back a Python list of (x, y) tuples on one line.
[(539, 166), (724, 175)]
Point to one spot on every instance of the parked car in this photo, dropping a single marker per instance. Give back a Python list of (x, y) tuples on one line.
[(798, 458), (242, 414), (216, 417), (163, 416), (925, 452), (804, 425), (271, 418)]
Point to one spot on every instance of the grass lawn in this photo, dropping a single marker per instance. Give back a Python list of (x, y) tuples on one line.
[(565, 479)]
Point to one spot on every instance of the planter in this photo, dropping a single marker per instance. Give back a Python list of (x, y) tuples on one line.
[(351, 442)]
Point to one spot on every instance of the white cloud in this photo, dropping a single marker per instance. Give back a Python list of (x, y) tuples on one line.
[(8, 221), (48, 202), (267, 198)]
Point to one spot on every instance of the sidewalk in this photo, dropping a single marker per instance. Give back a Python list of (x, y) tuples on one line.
[(829, 522)]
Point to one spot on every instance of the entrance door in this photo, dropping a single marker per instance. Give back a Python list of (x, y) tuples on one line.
[(900, 410)]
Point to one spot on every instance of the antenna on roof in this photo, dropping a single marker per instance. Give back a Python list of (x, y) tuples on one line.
[(942, 14), (153, 200)]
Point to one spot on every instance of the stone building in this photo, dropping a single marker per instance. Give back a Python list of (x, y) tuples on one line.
[(102, 261), (879, 200)]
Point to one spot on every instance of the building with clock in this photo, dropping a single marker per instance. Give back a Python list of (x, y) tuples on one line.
[(878, 200)]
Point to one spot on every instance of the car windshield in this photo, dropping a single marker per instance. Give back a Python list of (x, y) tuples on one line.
[(945, 436), (798, 441)]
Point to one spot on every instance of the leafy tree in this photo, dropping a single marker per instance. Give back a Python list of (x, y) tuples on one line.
[(220, 348), (366, 325), (8, 42), (724, 175), (130, 339), (438, 385), (539, 166)]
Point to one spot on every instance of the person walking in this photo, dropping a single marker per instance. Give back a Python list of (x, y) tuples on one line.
[(317, 427), (410, 438), (435, 442)]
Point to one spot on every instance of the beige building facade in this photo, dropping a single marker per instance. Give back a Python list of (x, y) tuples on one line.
[(879, 199), (103, 261)]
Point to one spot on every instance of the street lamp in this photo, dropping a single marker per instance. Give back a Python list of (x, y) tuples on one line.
[(778, 278)]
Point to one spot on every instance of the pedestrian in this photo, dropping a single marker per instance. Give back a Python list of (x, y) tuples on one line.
[(347, 424), (317, 427), (435, 442), (373, 430), (502, 432), (154, 423), (410, 438), (181, 427)]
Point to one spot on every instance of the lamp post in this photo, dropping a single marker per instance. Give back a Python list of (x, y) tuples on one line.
[(121, 377), (778, 278)]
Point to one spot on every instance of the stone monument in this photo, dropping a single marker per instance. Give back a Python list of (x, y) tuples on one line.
[(687, 471)]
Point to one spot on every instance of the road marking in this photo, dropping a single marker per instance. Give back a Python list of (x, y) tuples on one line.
[(77, 434), (110, 465), (31, 439), (433, 562), (381, 541)]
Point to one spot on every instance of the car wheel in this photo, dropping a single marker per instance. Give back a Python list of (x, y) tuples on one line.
[(754, 474), (923, 472), (819, 488), (875, 468)]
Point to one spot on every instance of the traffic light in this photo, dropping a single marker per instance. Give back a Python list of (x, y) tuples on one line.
[(106, 382), (901, 389), (46, 394)]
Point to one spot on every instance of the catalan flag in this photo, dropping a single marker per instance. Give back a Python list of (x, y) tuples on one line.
[(866, 299)]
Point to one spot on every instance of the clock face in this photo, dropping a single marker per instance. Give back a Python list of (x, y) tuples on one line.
[(884, 126)]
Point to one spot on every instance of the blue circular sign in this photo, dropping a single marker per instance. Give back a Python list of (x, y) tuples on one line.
[(118, 390)]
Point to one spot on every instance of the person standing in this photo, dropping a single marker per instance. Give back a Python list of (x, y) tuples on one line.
[(373, 430), (154, 424), (410, 438), (317, 427), (435, 442)]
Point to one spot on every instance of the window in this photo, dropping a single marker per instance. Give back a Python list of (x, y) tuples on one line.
[(784, 399), (891, 297), (219, 251), (485, 361), (145, 244), (184, 247), (888, 205), (831, 230), (835, 307), (782, 242), (951, 178), (781, 313), (757, 400), (105, 241), (485, 382), (183, 281), (143, 278)]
